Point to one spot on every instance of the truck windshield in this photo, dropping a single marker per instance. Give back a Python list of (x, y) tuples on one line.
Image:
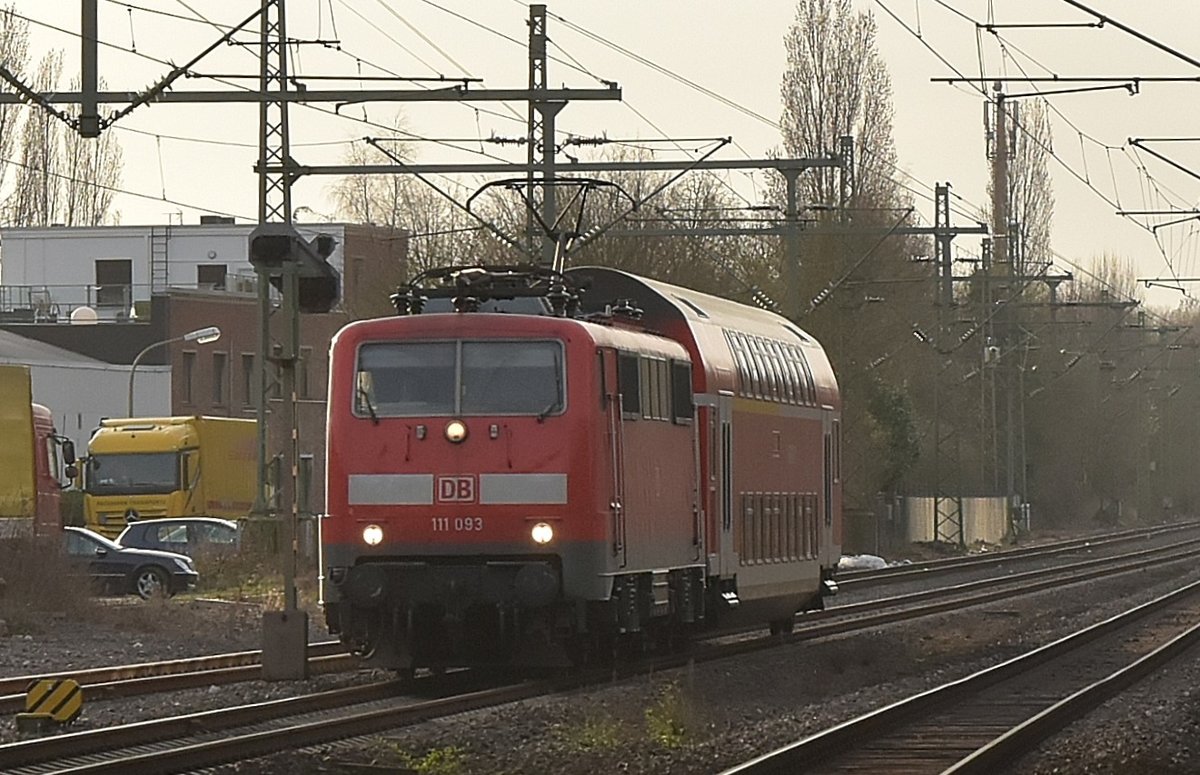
[(413, 379), (133, 473)]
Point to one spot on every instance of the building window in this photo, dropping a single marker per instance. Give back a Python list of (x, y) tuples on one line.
[(189, 370), (210, 277), (220, 377), (248, 380), (114, 282), (303, 378)]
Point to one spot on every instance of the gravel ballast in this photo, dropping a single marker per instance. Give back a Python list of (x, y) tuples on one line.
[(700, 719)]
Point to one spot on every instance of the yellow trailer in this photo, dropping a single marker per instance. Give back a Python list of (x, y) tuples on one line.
[(32, 458), (148, 468), (18, 476)]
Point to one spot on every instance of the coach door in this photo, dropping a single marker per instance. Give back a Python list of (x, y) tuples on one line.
[(722, 442), (828, 472), (615, 435)]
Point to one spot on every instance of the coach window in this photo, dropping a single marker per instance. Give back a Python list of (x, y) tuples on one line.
[(629, 379), (785, 370), (646, 391), (779, 392), (808, 378), (768, 375), (802, 372), (777, 365), (793, 371), (758, 377), (743, 370)]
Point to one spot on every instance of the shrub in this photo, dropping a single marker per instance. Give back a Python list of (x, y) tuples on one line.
[(39, 580)]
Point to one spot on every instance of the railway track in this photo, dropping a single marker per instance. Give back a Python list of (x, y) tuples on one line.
[(109, 683), (928, 568), (205, 739), (981, 723), (105, 683), (222, 669)]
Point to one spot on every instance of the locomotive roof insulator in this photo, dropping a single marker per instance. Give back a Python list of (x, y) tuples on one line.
[(625, 308), (469, 287), (466, 303), (407, 302)]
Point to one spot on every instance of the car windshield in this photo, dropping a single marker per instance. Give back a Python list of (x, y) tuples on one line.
[(413, 379), (125, 474)]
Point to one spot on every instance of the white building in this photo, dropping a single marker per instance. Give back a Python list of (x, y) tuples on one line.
[(46, 273), (80, 391)]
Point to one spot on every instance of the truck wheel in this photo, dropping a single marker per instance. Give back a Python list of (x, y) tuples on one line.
[(151, 582)]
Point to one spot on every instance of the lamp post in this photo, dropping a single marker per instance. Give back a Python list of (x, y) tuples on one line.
[(199, 336)]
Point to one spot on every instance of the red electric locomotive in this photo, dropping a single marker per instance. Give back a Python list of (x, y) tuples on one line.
[(519, 471)]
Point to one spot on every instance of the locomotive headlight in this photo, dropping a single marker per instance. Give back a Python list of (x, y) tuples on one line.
[(542, 533), (373, 535), (456, 431)]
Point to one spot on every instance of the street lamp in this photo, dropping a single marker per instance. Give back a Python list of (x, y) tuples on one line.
[(199, 336)]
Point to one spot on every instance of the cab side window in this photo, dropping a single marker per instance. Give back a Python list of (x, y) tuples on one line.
[(629, 380)]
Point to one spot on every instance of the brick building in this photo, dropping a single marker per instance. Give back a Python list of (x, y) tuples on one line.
[(217, 379)]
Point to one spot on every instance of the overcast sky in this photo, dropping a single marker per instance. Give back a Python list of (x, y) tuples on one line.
[(185, 160)]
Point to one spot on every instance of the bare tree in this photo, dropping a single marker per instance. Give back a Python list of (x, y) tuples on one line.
[(61, 177), (836, 84), (860, 291), (1031, 205), (439, 230), (91, 173), (34, 201), (14, 53)]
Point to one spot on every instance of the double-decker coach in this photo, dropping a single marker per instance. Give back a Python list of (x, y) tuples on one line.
[(535, 472)]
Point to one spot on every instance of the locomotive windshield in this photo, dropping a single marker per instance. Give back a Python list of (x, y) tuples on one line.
[(415, 379)]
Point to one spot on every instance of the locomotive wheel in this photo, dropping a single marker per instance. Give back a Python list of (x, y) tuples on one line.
[(783, 626)]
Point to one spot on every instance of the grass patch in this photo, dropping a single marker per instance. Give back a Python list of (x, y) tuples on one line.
[(671, 720), (597, 734), (448, 760)]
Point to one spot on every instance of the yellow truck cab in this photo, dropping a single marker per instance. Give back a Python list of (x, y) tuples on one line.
[(148, 468)]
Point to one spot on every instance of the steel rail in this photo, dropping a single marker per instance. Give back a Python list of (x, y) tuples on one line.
[(94, 675), (1032, 732), (248, 746), (931, 567), (172, 682), (927, 594), (859, 733)]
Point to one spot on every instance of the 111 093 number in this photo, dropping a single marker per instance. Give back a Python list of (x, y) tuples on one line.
[(457, 524)]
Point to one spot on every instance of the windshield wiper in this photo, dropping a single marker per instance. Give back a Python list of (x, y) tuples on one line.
[(558, 389), (365, 397), (542, 415)]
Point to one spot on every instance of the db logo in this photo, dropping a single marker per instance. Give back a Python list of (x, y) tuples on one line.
[(456, 489)]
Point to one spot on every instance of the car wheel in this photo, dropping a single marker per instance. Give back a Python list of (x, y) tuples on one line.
[(151, 582)]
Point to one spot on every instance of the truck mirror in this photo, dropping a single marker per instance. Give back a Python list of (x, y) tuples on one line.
[(68, 451), (71, 471)]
